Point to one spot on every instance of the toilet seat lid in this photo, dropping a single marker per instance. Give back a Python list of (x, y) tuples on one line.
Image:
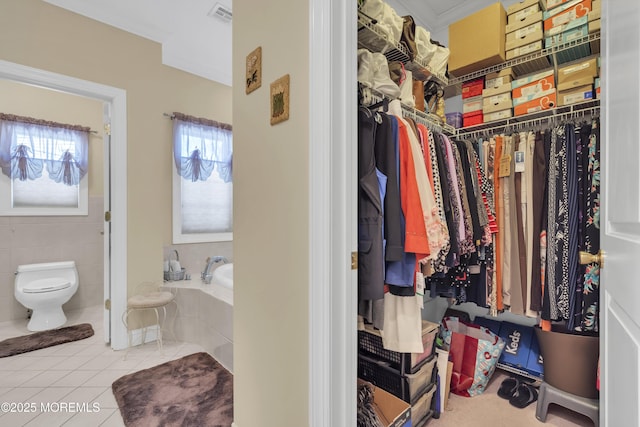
[(49, 284)]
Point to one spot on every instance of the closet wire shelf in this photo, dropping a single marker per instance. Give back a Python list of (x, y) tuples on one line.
[(431, 121), (580, 110), (532, 60), (371, 37)]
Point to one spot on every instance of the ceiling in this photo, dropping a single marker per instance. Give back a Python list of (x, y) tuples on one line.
[(194, 41)]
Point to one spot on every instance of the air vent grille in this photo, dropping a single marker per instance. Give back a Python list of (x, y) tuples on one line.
[(221, 12)]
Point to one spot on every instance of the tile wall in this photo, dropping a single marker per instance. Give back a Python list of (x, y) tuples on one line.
[(29, 240)]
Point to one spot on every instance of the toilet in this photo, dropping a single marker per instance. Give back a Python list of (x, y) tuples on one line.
[(44, 288)]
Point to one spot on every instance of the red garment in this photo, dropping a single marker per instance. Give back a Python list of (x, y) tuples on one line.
[(416, 240)]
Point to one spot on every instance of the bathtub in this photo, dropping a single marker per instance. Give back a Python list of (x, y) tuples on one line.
[(205, 313)]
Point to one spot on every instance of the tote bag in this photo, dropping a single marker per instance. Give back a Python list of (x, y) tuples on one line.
[(474, 351)]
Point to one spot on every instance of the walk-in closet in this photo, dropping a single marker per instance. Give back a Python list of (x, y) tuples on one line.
[(482, 142)]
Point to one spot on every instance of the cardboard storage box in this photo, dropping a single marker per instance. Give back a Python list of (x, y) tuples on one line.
[(531, 95), (596, 85), (454, 119), (550, 4), (392, 412), (524, 50), (519, 347), (472, 119), (536, 82), (497, 103), (498, 115), (594, 26), (574, 83), (524, 36), (477, 41), (499, 78), (565, 13), (577, 70), (471, 105), (534, 362), (574, 30), (522, 14), (486, 93), (535, 105), (531, 19), (523, 4), (573, 96), (472, 88)]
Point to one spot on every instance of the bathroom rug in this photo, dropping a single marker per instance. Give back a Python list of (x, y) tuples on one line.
[(194, 390), (44, 339)]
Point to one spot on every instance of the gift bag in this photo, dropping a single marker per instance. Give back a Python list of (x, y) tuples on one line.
[(474, 351)]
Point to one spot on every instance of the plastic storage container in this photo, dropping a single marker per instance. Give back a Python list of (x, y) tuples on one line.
[(422, 407), (370, 344)]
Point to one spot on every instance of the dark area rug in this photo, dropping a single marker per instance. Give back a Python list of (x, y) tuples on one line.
[(192, 391), (44, 339)]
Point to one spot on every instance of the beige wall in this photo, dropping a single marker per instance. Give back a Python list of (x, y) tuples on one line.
[(40, 35), (271, 243)]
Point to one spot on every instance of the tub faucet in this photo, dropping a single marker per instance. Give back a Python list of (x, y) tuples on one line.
[(206, 274)]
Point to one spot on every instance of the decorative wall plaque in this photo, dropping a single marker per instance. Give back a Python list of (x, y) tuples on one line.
[(280, 100), (254, 70)]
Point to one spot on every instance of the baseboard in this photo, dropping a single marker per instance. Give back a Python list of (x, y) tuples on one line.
[(233, 424), (150, 335)]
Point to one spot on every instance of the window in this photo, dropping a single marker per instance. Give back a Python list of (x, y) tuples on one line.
[(202, 184), (44, 167)]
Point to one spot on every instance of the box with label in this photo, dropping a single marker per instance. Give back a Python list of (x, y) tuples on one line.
[(491, 324), (524, 36), (505, 88), (472, 119), (497, 103), (596, 85), (524, 50), (498, 115), (533, 94), (535, 105), (522, 14), (522, 4), (531, 19), (565, 13), (574, 83), (396, 412), (477, 41), (550, 4), (574, 30), (517, 340), (471, 105), (577, 70), (594, 26), (472, 88), (573, 96), (499, 78), (532, 83), (554, 31), (535, 362)]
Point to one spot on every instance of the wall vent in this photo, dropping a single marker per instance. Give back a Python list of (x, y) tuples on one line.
[(221, 12)]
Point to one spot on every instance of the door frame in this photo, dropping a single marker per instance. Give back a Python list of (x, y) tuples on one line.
[(332, 212), (115, 265)]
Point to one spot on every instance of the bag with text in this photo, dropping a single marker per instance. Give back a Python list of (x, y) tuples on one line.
[(474, 351)]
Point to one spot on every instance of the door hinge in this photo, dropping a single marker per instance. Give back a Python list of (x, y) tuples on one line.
[(354, 260), (107, 304), (107, 128), (107, 216)]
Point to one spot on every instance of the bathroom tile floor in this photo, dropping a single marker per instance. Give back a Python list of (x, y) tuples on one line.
[(70, 384)]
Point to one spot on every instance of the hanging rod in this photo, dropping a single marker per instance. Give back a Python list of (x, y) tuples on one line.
[(432, 122), (171, 116), (574, 111)]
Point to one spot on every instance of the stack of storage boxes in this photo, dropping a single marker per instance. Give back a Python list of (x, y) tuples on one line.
[(409, 376), (576, 81), (472, 113), (566, 21), (497, 103), (533, 93), (524, 29)]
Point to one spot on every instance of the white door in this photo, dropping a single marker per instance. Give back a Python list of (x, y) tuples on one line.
[(620, 220)]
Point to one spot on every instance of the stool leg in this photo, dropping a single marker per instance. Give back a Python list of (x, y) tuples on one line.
[(543, 405), (159, 338)]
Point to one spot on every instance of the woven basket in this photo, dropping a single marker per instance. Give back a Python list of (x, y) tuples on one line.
[(171, 276)]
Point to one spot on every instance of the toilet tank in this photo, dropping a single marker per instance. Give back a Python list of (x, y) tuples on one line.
[(29, 273)]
